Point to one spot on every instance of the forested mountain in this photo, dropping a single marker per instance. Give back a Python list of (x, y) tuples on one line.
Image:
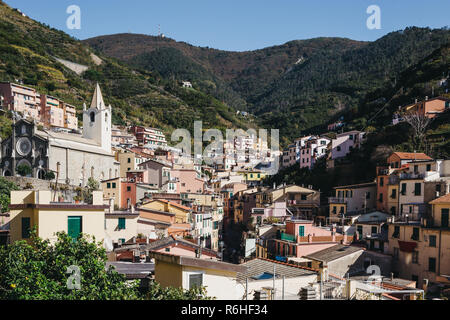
[(29, 51)]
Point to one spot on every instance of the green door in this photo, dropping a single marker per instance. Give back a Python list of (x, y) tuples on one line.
[(74, 227), (301, 231)]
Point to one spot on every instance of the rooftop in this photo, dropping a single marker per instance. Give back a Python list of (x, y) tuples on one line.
[(333, 253), (258, 267)]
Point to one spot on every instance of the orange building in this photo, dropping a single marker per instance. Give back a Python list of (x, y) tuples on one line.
[(428, 107)]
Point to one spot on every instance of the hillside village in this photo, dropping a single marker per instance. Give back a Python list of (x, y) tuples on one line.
[(352, 202), (163, 217)]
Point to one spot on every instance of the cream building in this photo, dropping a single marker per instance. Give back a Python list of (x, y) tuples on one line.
[(32, 208)]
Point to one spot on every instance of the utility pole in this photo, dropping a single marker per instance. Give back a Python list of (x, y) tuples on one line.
[(273, 289)]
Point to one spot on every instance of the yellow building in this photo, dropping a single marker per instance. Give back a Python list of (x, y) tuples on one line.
[(112, 189), (178, 212), (219, 278), (253, 176), (392, 198), (421, 249), (31, 208)]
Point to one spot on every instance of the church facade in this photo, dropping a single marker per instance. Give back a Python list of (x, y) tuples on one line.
[(73, 158)]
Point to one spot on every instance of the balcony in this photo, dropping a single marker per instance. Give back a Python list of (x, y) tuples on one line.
[(411, 176), (337, 200)]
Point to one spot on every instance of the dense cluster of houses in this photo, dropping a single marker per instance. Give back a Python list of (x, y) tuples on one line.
[(163, 217)]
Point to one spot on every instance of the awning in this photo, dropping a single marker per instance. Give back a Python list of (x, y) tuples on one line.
[(407, 246)]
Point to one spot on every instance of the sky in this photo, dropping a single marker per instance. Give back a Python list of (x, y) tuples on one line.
[(238, 25)]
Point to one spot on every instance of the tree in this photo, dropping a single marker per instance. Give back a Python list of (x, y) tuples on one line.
[(5, 190), (24, 170), (92, 185), (419, 123), (49, 175), (38, 270), (156, 292)]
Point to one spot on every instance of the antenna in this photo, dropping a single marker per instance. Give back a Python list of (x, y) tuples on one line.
[(159, 30)]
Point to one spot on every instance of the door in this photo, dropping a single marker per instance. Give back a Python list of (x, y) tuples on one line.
[(74, 227)]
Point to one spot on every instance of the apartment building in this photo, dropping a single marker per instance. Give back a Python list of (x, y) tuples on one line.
[(313, 149), (151, 137), (24, 100), (352, 200), (420, 249), (346, 142), (428, 107)]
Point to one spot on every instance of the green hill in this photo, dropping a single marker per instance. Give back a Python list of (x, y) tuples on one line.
[(298, 86), (29, 52)]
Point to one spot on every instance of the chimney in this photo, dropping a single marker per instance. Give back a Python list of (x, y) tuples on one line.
[(132, 209), (426, 98), (415, 101), (392, 276), (333, 237)]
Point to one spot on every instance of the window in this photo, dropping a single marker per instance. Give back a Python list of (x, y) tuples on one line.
[(394, 193), (374, 230), (121, 224), (129, 160), (303, 197), (415, 235), (432, 264), (444, 218), (360, 231), (417, 189), (113, 185), (381, 181), (403, 189), (432, 241), (92, 116), (381, 198), (396, 233), (128, 188), (428, 167), (26, 228), (415, 257), (368, 195), (416, 169), (108, 185), (338, 148)]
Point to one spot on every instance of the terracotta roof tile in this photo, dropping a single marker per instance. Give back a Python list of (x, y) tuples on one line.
[(443, 199), (412, 156)]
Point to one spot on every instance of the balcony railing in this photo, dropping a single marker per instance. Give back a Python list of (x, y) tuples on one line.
[(411, 176), (337, 200)]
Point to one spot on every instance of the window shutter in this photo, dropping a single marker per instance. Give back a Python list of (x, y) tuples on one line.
[(121, 223)]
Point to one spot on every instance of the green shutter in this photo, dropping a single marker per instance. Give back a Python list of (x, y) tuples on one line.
[(26, 222), (301, 231), (74, 227), (121, 223), (417, 189)]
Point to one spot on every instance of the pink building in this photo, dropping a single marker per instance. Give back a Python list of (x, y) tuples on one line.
[(302, 238), (187, 181), (24, 100)]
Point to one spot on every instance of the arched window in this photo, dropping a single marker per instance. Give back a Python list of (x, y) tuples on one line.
[(92, 116)]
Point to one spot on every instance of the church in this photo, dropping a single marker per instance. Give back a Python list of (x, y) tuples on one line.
[(73, 158)]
